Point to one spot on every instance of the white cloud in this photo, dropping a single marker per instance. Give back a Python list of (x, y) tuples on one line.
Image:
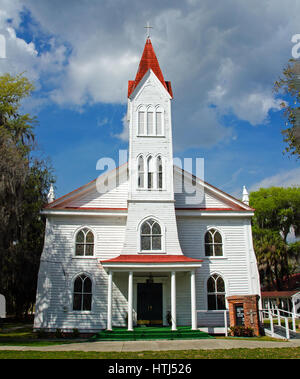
[(124, 135), (229, 54), (288, 178)]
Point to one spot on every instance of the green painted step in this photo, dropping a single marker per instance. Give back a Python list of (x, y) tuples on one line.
[(149, 333)]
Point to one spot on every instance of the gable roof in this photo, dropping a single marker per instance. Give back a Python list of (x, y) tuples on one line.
[(87, 198), (233, 203), (147, 62)]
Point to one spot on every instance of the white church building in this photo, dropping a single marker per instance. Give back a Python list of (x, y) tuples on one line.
[(158, 245)]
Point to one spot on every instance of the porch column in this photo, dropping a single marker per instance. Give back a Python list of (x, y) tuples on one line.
[(173, 299), (109, 301), (130, 298), (193, 300)]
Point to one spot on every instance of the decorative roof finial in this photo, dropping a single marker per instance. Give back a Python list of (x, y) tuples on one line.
[(148, 27), (245, 196), (51, 194)]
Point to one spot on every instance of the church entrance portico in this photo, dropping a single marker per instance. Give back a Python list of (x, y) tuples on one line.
[(152, 289)]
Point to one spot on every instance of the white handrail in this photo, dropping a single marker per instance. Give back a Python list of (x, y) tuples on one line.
[(225, 322), (272, 313)]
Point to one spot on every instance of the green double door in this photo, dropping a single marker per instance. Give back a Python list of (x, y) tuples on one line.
[(149, 304)]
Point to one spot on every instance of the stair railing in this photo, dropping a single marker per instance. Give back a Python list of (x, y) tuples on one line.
[(276, 313)]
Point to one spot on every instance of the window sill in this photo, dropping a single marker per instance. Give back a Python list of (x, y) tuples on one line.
[(146, 136), (212, 257), (151, 189), (146, 252), (83, 257)]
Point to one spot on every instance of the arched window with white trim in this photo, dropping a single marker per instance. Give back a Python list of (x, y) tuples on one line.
[(159, 172), (213, 243), (150, 121), (84, 243), (151, 236), (150, 172), (216, 293), (141, 172), (82, 293), (141, 121), (159, 124)]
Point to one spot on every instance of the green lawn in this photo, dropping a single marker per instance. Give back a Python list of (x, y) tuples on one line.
[(275, 353), (20, 334)]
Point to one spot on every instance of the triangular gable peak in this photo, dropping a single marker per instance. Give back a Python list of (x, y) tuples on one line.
[(213, 198), (114, 181), (149, 80), (88, 197), (147, 62)]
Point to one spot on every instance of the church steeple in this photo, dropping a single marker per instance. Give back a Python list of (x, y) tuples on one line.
[(148, 61), (150, 164)]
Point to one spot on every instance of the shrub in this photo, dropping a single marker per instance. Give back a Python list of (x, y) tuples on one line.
[(75, 333), (59, 333), (241, 331), (41, 333)]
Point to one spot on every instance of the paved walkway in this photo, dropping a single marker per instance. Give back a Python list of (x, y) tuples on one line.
[(125, 346)]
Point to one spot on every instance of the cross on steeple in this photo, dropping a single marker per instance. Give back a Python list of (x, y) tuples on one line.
[(148, 27)]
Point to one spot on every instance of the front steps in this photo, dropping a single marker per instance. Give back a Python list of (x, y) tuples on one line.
[(150, 333)]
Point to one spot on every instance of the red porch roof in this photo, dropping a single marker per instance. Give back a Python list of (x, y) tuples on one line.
[(152, 258)]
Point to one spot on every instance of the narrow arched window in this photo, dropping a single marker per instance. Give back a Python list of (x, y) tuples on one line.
[(159, 171), (141, 123), (150, 122), (150, 172), (213, 243), (159, 121), (151, 236), (141, 172), (82, 293), (84, 245), (215, 293), (159, 130)]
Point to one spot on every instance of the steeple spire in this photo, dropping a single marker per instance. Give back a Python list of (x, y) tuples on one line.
[(148, 60), (245, 196), (51, 194)]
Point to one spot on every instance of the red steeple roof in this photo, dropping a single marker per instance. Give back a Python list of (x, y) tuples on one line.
[(148, 61)]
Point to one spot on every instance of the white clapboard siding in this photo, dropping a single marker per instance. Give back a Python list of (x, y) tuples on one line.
[(115, 198), (233, 266), (188, 195)]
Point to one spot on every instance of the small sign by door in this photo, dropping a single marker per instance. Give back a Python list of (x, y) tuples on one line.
[(239, 315)]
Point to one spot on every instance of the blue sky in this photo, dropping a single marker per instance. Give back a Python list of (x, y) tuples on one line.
[(222, 60)]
